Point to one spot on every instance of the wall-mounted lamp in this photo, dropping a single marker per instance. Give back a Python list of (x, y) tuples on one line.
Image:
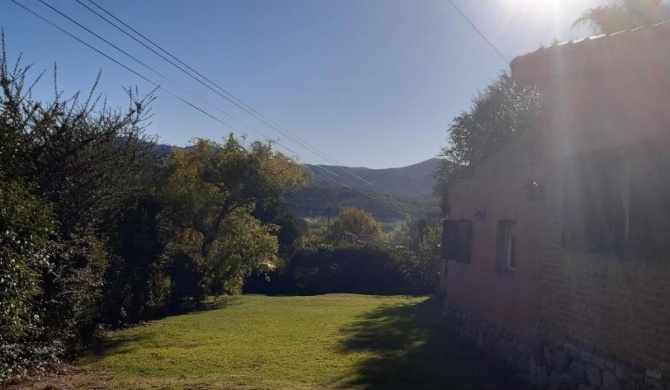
[(533, 190), (480, 215)]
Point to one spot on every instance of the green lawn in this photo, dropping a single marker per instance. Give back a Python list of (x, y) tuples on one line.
[(258, 342)]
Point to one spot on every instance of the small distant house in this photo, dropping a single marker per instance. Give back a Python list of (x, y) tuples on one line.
[(558, 246)]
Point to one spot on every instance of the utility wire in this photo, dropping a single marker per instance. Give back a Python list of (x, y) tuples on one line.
[(147, 79), (104, 40), (478, 31), (158, 73), (158, 86), (136, 60), (161, 75), (218, 89)]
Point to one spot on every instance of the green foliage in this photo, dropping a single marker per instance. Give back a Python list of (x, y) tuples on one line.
[(211, 191), (361, 269), (404, 261), (244, 245), (72, 290), (136, 280), (66, 165), (503, 111), (619, 15), (25, 255), (421, 261), (418, 248), (345, 269), (290, 229), (354, 223)]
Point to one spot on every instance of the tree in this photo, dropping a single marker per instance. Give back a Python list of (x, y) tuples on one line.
[(503, 111), (619, 15), (66, 165), (417, 248), (210, 191), (355, 221)]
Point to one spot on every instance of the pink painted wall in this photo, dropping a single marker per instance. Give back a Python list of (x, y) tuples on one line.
[(506, 299), (599, 93)]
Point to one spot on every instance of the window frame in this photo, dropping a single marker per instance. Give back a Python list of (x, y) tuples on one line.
[(507, 246)]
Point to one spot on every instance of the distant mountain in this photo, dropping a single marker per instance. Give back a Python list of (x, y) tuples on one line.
[(388, 194), (313, 202), (414, 181)]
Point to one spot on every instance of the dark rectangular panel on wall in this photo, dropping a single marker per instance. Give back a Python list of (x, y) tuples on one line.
[(457, 240)]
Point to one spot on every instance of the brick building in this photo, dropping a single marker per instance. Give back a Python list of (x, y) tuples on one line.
[(559, 245)]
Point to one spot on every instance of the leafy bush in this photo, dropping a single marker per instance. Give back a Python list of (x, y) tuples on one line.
[(97, 227), (25, 255), (66, 164), (368, 269), (135, 281)]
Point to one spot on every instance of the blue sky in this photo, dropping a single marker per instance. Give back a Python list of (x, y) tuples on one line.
[(371, 83)]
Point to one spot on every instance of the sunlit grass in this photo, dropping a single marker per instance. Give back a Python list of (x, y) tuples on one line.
[(293, 343), (282, 342)]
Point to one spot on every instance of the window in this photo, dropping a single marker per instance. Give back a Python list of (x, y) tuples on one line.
[(618, 201), (507, 245), (597, 206), (457, 240)]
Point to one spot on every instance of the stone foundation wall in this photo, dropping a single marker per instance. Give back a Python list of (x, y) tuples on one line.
[(491, 338), (549, 363), (605, 305)]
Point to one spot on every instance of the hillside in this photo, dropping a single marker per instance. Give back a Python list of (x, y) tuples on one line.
[(394, 193), (313, 202), (413, 181)]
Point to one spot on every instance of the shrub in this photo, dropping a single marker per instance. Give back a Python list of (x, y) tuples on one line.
[(369, 269), (25, 255)]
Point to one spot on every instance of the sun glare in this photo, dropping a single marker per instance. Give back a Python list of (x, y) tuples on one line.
[(530, 19)]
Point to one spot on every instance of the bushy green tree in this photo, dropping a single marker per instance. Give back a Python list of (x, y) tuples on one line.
[(76, 161), (500, 113), (210, 191), (354, 221), (96, 226), (417, 247)]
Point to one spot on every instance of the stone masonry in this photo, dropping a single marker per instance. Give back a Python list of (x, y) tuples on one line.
[(604, 322), (551, 364)]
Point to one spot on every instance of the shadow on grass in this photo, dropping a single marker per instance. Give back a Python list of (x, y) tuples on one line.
[(192, 307), (118, 342), (102, 346), (411, 348)]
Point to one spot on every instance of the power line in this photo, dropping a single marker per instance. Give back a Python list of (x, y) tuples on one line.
[(218, 89), (120, 64), (144, 77), (159, 86), (147, 79), (131, 57), (161, 75), (478, 31), (105, 40)]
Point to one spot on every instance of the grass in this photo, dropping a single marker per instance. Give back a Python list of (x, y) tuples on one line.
[(258, 342)]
